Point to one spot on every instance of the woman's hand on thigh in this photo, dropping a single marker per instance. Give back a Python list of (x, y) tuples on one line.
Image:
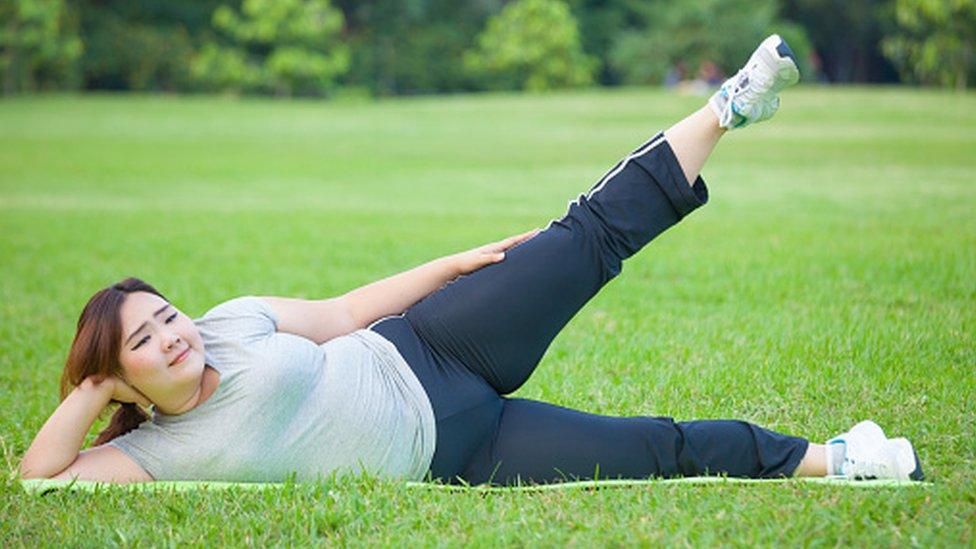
[(482, 256)]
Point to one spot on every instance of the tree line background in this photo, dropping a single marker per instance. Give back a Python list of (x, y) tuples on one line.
[(397, 47)]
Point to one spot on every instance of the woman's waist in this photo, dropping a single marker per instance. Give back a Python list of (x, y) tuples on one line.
[(398, 331)]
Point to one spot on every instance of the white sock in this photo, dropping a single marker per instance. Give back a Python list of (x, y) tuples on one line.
[(835, 458)]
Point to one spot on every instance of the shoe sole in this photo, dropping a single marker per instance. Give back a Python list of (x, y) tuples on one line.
[(916, 473)]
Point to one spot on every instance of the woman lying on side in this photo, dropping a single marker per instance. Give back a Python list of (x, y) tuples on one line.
[(407, 377)]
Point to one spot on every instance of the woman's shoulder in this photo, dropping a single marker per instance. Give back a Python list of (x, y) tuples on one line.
[(247, 305), (246, 317)]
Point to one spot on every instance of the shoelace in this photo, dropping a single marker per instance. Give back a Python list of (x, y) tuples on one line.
[(866, 469), (748, 92)]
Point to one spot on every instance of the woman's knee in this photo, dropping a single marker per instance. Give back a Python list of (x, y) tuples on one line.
[(592, 239)]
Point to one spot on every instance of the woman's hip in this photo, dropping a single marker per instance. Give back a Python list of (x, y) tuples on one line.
[(466, 408)]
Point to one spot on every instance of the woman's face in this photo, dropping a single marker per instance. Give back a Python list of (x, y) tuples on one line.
[(162, 352)]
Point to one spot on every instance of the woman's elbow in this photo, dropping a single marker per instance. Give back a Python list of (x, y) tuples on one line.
[(30, 470)]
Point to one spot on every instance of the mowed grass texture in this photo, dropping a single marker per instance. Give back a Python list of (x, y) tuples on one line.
[(831, 278)]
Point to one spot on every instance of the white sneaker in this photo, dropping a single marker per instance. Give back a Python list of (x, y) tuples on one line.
[(752, 94), (870, 455), (906, 461)]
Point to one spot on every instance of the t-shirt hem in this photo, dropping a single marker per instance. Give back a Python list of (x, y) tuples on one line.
[(427, 419)]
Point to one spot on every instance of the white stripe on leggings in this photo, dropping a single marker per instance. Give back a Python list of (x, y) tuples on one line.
[(620, 166), (377, 321), (654, 142)]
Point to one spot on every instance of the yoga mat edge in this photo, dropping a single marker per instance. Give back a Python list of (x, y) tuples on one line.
[(44, 486)]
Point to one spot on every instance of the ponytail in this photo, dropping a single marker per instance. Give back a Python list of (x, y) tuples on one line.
[(126, 418)]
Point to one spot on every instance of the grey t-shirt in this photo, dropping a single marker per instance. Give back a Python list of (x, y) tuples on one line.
[(286, 405)]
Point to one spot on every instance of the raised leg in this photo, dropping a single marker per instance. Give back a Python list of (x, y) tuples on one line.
[(501, 319), (539, 443), (693, 140)]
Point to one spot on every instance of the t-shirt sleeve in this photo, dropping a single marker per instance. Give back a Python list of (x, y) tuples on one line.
[(244, 318)]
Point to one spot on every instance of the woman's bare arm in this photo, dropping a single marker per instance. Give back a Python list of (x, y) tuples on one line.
[(58, 442), (395, 294), (325, 319), (56, 447)]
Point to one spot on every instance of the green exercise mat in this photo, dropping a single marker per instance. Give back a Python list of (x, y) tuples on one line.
[(44, 486)]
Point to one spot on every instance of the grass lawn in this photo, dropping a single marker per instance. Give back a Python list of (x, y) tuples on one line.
[(831, 278)]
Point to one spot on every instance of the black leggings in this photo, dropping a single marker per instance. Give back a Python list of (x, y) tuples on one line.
[(481, 336)]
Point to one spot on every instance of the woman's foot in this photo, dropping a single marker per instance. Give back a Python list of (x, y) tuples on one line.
[(865, 453), (752, 95)]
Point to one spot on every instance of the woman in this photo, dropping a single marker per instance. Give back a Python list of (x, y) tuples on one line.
[(407, 377)]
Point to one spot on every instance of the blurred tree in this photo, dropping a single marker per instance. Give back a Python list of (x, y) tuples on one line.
[(122, 54), (846, 36), (692, 33), (145, 45), (532, 45), (601, 23), (38, 46), (934, 42), (412, 46), (285, 47)]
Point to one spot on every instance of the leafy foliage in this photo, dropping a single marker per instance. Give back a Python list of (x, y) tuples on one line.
[(412, 46), (38, 45), (145, 45), (935, 41), (724, 32), (396, 47), (532, 45), (845, 36), (601, 22), (131, 55), (286, 47)]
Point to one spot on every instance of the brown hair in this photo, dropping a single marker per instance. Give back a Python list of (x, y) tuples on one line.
[(95, 351)]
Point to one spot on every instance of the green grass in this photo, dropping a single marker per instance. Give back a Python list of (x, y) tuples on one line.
[(832, 278)]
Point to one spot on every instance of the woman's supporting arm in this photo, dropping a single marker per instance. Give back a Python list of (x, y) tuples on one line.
[(325, 319), (395, 294), (58, 442)]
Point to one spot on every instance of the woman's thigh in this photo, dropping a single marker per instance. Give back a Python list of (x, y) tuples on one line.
[(500, 320), (466, 408)]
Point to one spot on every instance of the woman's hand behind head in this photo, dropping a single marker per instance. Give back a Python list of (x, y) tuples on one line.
[(117, 390)]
